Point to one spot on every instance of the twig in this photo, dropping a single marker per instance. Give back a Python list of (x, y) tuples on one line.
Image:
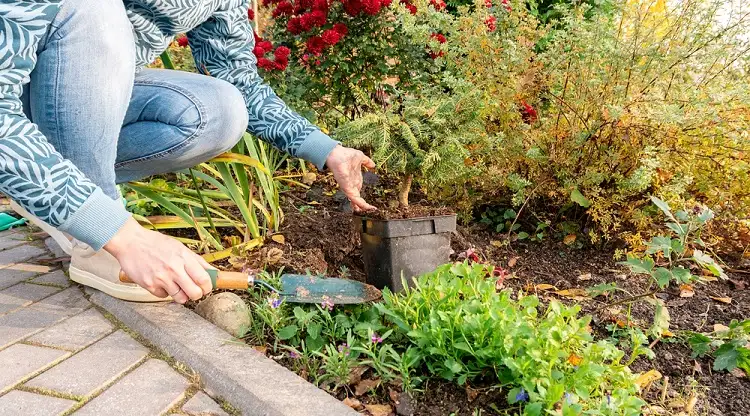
[(528, 198), (627, 300)]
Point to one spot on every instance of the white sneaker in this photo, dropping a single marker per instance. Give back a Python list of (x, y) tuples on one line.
[(101, 270), (61, 238)]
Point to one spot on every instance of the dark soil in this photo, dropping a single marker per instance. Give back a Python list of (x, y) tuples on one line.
[(321, 236), (384, 197)]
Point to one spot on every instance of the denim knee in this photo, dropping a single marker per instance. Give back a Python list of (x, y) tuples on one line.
[(226, 117)]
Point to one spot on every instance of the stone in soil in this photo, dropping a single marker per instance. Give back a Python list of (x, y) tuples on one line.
[(227, 311), (405, 405)]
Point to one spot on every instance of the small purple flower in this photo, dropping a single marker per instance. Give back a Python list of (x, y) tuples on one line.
[(274, 302), (344, 348), (522, 396), (376, 339), (327, 304), (293, 355), (567, 397), (609, 399)]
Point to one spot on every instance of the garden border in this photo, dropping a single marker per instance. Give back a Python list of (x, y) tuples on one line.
[(247, 379)]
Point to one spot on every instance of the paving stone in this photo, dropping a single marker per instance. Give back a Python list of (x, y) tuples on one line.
[(22, 323), (94, 367), (150, 389), (57, 278), (22, 403), (20, 361), (201, 404), (9, 277), (76, 332), (23, 294), (67, 302), (20, 254), (9, 242)]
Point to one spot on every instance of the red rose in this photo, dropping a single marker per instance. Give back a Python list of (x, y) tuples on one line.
[(331, 37), (372, 7), (307, 22), (266, 64), (258, 52), (283, 9), (353, 7), (488, 3), (411, 8), (250, 14), (440, 38), (528, 113), (491, 23), (182, 41), (341, 28), (319, 17), (257, 38), (438, 4), (282, 52), (321, 5), (281, 63), (294, 26), (315, 45), (387, 3), (506, 5), (265, 45), (306, 4)]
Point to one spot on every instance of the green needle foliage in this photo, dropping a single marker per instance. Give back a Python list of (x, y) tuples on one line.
[(424, 138)]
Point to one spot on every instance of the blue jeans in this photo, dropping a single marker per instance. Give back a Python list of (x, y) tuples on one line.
[(116, 125)]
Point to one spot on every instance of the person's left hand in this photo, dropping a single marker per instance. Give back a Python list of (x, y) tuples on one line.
[(346, 165)]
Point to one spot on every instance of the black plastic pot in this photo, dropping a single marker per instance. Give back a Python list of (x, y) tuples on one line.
[(404, 247)]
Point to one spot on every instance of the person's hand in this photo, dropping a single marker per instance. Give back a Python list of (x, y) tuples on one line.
[(346, 165), (160, 264)]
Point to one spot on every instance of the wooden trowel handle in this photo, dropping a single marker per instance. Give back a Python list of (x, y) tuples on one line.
[(219, 279)]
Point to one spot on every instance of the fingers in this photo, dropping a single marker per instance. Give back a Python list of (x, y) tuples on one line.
[(360, 204), (368, 163), (198, 273)]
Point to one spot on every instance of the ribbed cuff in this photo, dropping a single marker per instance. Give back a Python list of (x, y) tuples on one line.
[(316, 148), (97, 220)]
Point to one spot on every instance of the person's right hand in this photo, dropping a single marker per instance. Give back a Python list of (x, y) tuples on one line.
[(160, 264)]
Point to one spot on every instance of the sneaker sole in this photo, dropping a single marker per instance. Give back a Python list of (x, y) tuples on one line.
[(132, 293)]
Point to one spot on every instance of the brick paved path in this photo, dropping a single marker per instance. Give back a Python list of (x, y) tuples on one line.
[(59, 355)]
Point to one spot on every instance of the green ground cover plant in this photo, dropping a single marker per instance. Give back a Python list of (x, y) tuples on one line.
[(456, 325)]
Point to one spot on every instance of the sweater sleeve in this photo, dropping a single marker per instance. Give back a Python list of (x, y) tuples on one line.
[(32, 172), (223, 48)]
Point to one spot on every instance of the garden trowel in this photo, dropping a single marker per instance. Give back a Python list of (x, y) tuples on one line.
[(296, 288)]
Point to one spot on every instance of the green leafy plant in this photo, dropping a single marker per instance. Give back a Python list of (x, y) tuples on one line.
[(426, 138), (667, 259), (729, 346), (462, 328)]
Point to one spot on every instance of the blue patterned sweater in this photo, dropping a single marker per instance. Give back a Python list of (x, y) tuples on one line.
[(221, 38)]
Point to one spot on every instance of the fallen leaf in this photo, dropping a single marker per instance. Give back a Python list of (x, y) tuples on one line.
[(686, 291), (379, 409), (709, 278), (544, 286), (654, 410), (647, 378), (353, 403), (273, 256), (366, 385), (738, 372), (585, 277), (279, 238), (697, 367), (309, 178), (569, 239), (394, 395), (690, 405), (738, 284), (313, 203), (512, 262), (261, 349), (722, 300), (676, 404), (577, 294), (471, 394), (355, 374), (496, 243), (667, 333), (720, 328), (575, 360)]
